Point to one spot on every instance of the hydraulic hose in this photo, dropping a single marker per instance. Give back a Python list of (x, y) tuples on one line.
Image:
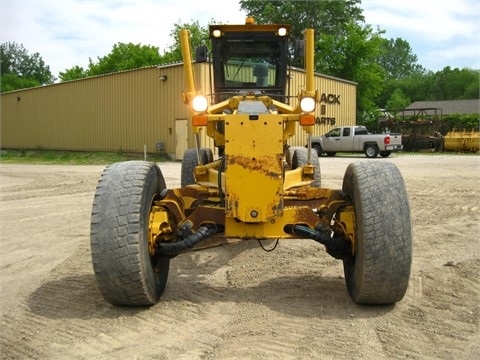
[(188, 242), (336, 246), (323, 237)]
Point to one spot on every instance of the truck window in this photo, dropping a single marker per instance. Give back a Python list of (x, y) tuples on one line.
[(346, 132), (333, 133), (361, 131)]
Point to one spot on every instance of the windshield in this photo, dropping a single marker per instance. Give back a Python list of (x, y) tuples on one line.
[(250, 63)]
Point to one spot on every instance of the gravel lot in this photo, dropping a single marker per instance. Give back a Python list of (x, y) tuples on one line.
[(238, 302)]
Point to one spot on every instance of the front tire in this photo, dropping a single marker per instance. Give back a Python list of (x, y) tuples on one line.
[(289, 154), (190, 161), (119, 234), (379, 271), (300, 158)]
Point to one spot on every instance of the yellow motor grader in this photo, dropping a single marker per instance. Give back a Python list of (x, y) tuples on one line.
[(255, 189)]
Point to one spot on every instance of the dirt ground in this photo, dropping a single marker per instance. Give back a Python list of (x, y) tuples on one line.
[(238, 302)]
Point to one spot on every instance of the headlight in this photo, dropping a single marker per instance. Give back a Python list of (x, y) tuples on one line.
[(307, 104), (200, 103), (282, 31)]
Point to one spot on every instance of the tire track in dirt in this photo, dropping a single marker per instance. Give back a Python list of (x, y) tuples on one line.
[(446, 220), (68, 313), (210, 313), (239, 301), (272, 303), (15, 342), (46, 317), (436, 312), (39, 188), (35, 250)]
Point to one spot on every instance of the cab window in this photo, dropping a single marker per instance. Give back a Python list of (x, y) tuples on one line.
[(360, 131), (333, 133)]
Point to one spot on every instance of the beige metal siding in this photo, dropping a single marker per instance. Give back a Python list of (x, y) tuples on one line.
[(127, 110), (337, 105), (121, 111)]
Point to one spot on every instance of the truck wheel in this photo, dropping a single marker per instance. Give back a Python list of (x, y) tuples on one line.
[(371, 151), (300, 158), (119, 234), (318, 149), (379, 270), (189, 162), (385, 154)]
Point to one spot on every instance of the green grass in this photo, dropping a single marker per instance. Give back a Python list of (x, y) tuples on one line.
[(71, 157), (37, 156)]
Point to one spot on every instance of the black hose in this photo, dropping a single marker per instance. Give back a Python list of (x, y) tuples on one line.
[(336, 245), (321, 237), (187, 243)]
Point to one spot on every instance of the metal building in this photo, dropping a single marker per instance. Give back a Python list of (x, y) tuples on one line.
[(136, 109)]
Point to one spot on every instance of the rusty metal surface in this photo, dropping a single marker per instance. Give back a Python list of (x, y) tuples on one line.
[(253, 175)]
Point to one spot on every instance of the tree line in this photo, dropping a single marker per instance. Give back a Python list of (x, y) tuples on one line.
[(386, 70)]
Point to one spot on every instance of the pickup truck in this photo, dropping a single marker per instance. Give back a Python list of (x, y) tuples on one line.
[(356, 139)]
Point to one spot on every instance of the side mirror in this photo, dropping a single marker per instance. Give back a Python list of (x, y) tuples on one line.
[(299, 48), (201, 54)]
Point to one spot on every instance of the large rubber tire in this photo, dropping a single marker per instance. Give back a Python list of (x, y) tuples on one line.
[(289, 154), (379, 271), (190, 161), (300, 158), (119, 234), (330, 153), (371, 151), (385, 154)]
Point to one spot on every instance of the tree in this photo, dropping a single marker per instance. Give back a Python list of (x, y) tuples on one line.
[(20, 70), (398, 100), (198, 36), (122, 57), (125, 57), (326, 17), (353, 56), (452, 84), (446, 84), (345, 46), (133, 56), (76, 72), (397, 59), (11, 82)]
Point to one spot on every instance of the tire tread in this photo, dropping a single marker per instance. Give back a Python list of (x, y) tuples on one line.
[(118, 239), (384, 231)]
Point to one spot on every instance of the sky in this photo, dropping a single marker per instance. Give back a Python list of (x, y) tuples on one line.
[(67, 33)]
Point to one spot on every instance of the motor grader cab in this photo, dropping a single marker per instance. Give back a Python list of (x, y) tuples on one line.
[(250, 192), (254, 63)]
